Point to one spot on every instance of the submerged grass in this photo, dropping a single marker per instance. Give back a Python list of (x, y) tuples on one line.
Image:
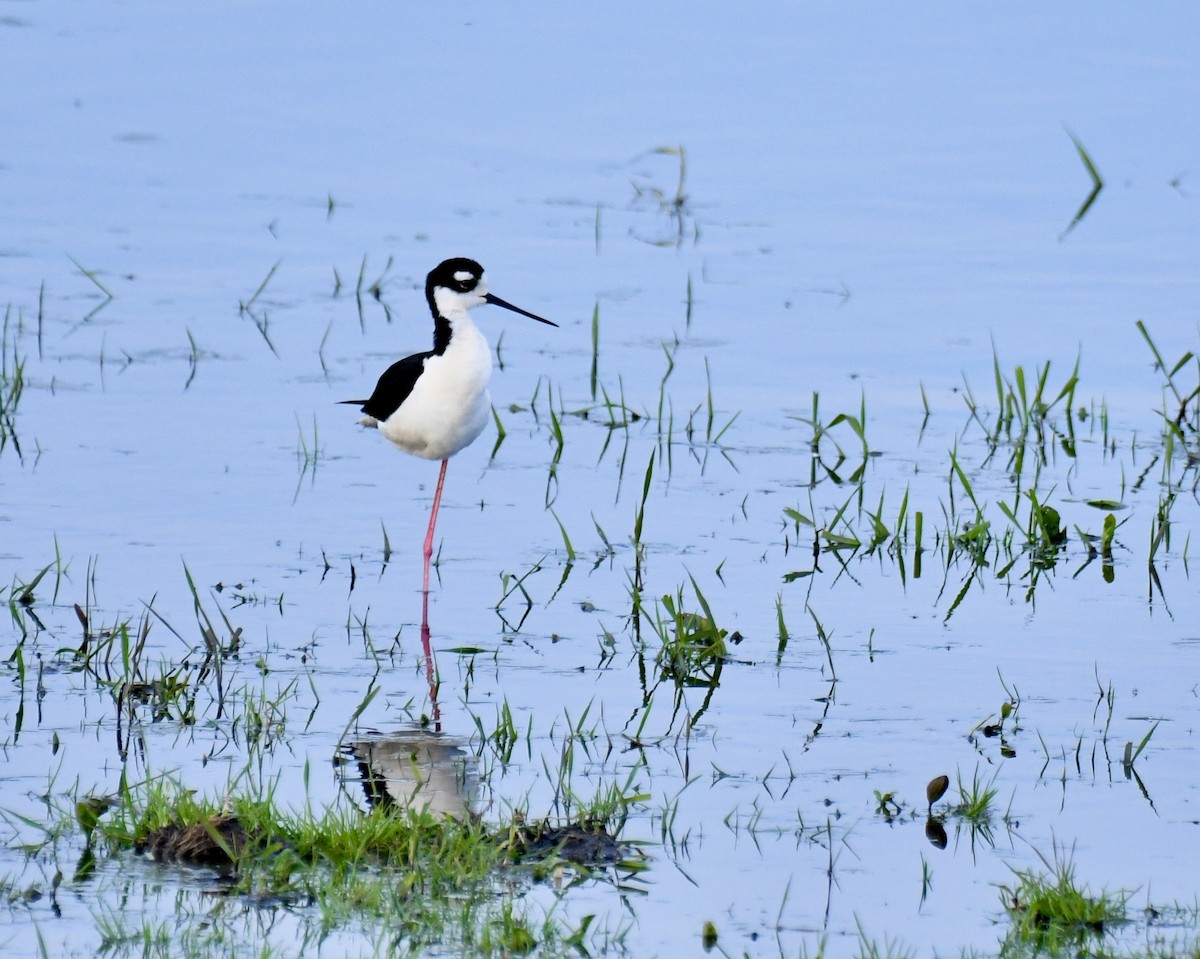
[(12, 380), (1022, 533)]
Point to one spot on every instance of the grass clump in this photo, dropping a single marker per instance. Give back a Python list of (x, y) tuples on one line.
[(415, 878), (976, 799), (1052, 913)]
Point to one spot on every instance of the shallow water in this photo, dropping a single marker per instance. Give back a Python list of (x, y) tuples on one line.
[(874, 200)]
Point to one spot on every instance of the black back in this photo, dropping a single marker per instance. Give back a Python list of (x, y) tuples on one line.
[(394, 386)]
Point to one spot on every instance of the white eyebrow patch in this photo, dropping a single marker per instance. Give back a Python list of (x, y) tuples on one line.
[(463, 275)]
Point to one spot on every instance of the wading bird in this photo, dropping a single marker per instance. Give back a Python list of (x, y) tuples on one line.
[(436, 403)]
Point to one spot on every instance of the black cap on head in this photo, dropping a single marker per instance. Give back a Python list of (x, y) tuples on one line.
[(458, 273)]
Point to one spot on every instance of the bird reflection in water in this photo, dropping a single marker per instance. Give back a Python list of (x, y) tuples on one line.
[(417, 769)]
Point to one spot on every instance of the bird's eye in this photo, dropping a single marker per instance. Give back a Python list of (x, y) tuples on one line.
[(464, 281)]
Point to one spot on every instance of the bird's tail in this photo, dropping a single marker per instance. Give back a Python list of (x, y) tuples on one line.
[(367, 420)]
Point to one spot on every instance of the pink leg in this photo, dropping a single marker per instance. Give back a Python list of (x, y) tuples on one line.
[(437, 501), (429, 670)]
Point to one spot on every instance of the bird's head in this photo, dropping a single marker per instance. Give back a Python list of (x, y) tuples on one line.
[(459, 284)]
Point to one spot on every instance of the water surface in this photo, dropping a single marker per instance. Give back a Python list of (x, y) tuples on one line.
[(877, 203)]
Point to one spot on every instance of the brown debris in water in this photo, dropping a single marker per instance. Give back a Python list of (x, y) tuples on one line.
[(217, 842), (588, 844)]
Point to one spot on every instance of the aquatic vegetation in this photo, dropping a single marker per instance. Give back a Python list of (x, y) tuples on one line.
[(704, 428), (975, 799), (103, 293), (670, 203), (427, 880), (1052, 914), (12, 380), (1097, 184), (658, 654), (259, 316), (1020, 534), (308, 455), (693, 649)]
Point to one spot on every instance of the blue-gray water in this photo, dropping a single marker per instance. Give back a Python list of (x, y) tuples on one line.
[(876, 198)]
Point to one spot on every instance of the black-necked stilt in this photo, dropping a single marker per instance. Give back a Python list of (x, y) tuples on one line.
[(436, 403)]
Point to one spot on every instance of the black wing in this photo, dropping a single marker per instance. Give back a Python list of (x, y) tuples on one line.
[(394, 386)]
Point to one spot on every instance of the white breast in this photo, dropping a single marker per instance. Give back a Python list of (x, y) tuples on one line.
[(449, 405)]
